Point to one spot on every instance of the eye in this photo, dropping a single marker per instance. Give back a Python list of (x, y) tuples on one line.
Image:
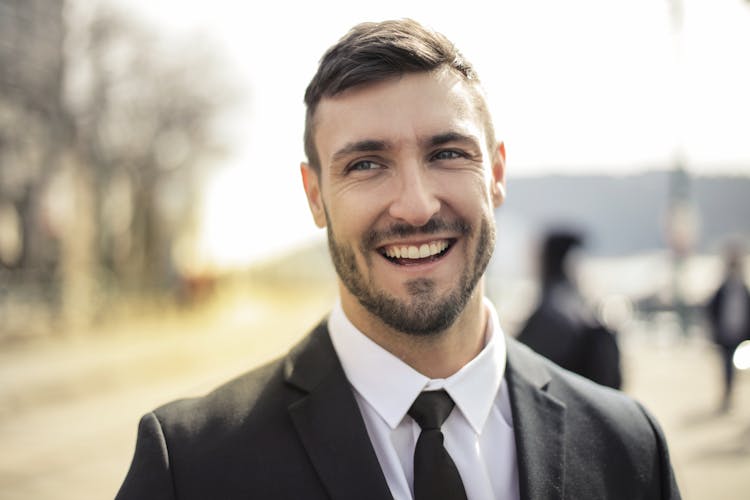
[(363, 165), (448, 154)]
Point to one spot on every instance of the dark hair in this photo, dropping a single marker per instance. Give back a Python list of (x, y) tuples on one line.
[(373, 52)]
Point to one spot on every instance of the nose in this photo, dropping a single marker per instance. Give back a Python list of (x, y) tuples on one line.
[(415, 199)]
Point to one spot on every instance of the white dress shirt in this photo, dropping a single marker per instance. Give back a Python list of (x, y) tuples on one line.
[(478, 433)]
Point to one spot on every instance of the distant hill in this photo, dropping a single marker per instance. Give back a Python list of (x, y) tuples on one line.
[(625, 215)]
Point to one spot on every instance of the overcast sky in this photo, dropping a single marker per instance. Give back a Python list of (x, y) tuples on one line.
[(576, 86)]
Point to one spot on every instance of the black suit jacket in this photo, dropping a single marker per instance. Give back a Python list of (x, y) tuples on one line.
[(292, 430)]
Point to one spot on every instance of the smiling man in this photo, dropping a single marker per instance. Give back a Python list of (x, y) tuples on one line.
[(409, 389)]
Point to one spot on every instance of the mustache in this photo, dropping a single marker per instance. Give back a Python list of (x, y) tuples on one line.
[(374, 237)]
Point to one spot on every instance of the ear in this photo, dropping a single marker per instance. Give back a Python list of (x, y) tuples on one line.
[(311, 182), (497, 189)]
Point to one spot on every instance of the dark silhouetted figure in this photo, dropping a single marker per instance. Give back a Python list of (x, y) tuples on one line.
[(562, 328), (729, 315)]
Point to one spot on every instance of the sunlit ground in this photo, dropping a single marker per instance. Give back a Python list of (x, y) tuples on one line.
[(69, 408)]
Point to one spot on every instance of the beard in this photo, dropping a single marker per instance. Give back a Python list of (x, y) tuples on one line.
[(424, 312)]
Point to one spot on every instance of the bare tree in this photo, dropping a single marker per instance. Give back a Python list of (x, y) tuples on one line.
[(145, 122), (101, 147)]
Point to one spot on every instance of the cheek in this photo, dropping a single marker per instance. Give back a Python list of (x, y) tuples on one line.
[(468, 194), (350, 218), (357, 207)]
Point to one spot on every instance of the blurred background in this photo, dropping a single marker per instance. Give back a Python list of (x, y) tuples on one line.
[(155, 238)]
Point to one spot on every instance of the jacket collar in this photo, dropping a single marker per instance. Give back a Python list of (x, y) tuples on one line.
[(538, 424), (329, 422)]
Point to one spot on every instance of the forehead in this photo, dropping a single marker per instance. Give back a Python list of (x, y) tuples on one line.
[(398, 111)]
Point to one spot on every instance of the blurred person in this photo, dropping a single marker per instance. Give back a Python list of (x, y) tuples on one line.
[(409, 388), (729, 316), (563, 328)]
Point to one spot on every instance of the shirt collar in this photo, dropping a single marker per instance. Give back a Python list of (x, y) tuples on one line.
[(390, 386)]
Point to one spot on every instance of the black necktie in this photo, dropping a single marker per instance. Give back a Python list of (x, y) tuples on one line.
[(435, 474)]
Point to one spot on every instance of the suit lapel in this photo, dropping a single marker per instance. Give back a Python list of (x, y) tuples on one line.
[(539, 426), (330, 424)]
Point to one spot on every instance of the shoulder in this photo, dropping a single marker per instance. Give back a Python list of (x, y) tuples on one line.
[(239, 427), (227, 401), (233, 441), (612, 446), (199, 434), (252, 398), (254, 405), (589, 407)]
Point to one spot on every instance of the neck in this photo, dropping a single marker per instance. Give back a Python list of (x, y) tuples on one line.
[(436, 355)]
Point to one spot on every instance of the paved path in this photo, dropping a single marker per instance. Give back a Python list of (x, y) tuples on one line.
[(680, 383), (69, 409)]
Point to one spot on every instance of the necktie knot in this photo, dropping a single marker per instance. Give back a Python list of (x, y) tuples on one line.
[(431, 409)]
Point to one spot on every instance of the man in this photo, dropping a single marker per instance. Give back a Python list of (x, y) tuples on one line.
[(409, 389), (729, 316), (562, 328)]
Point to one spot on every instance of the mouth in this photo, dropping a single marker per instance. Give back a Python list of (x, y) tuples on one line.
[(413, 254)]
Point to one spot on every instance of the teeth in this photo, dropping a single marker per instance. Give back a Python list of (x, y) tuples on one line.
[(414, 252)]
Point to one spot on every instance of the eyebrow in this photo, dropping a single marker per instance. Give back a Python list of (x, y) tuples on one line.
[(440, 139), (365, 146)]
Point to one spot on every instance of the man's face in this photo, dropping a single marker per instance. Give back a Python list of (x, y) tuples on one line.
[(406, 190)]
